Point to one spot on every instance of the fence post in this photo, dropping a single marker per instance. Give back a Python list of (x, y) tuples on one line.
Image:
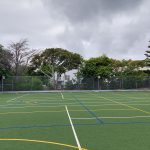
[(93, 83), (149, 81), (122, 82), (31, 83), (136, 84), (98, 82), (12, 85), (3, 77), (2, 84)]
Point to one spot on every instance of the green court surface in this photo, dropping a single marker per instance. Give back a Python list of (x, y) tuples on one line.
[(75, 121)]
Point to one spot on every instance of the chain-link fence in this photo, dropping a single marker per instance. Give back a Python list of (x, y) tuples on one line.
[(115, 83), (35, 83), (25, 83)]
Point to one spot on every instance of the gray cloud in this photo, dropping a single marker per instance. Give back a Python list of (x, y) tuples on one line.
[(84, 10), (117, 28)]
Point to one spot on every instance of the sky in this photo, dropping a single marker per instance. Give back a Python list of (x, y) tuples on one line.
[(118, 28)]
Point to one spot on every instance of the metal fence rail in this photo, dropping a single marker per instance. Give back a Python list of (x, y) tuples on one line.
[(41, 83)]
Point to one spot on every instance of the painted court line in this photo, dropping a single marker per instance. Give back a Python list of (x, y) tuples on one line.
[(39, 106), (129, 106), (32, 112), (58, 111), (5, 107), (40, 141), (128, 117), (124, 95), (73, 129), (72, 126), (89, 111), (16, 98)]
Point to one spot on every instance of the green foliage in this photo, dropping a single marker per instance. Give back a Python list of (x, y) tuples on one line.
[(5, 61), (147, 60), (50, 85), (132, 68), (94, 67), (70, 85), (108, 68), (36, 84), (55, 60), (27, 83)]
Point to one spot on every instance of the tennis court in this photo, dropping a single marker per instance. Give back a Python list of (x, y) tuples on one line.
[(75, 120)]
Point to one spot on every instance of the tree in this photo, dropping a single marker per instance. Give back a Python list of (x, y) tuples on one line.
[(34, 66), (147, 60), (55, 61), (61, 60), (132, 68), (106, 68), (94, 67), (21, 55), (5, 61), (128, 67)]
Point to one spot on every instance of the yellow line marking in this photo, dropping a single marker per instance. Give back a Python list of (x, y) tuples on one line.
[(39, 141), (111, 109), (137, 98), (32, 112), (30, 102), (29, 112), (34, 106), (98, 110), (123, 104)]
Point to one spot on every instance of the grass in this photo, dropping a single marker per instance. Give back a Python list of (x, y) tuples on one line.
[(102, 121)]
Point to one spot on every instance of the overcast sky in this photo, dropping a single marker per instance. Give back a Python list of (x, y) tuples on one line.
[(117, 28)]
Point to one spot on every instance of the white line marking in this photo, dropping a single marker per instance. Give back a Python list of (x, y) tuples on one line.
[(24, 106), (16, 98), (73, 129), (91, 104), (111, 117)]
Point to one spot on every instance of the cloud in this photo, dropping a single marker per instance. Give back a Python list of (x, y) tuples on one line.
[(84, 10), (103, 26), (117, 28)]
